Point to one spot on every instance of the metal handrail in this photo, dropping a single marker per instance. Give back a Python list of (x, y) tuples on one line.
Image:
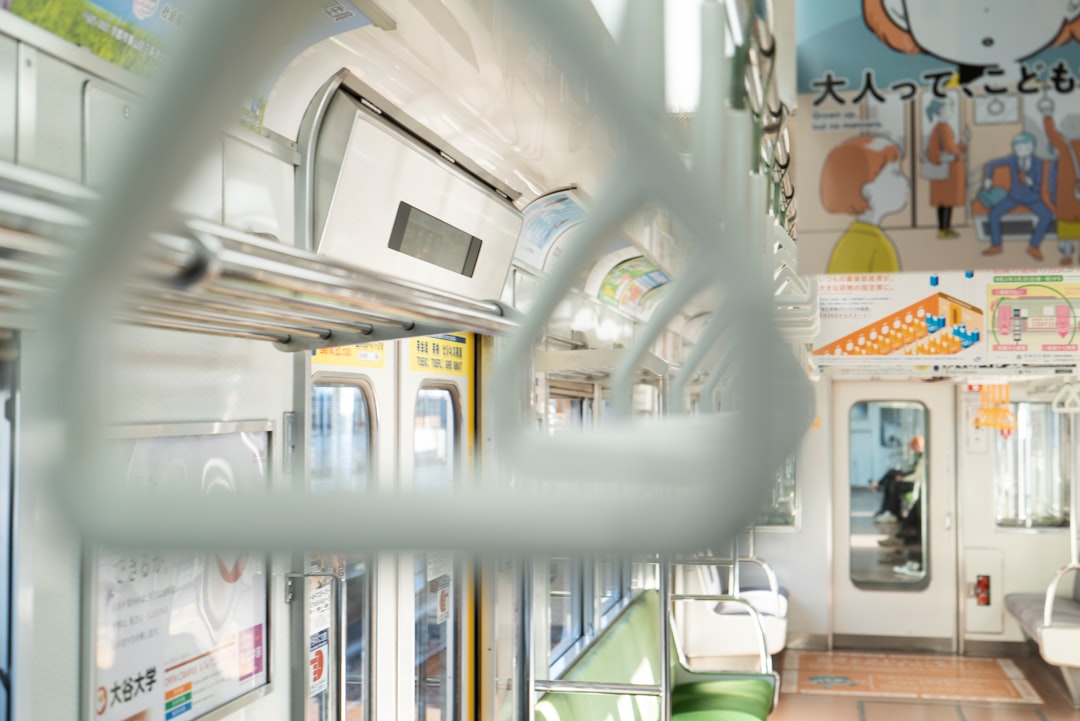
[(599, 687), (1051, 592), (763, 653)]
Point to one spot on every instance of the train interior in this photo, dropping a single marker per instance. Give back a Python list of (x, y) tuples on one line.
[(451, 360)]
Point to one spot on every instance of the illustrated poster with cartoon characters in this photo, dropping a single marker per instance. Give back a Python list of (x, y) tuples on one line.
[(938, 135)]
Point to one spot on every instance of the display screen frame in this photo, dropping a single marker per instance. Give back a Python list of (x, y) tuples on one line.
[(462, 261)]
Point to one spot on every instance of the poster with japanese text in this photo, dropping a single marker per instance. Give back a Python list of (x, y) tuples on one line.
[(902, 321), (937, 135), (1032, 318), (178, 635)]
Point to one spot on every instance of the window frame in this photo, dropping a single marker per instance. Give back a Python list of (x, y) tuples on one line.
[(594, 619)]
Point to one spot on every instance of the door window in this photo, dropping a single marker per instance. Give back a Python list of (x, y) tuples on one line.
[(436, 449), (889, 477), (341, 460)]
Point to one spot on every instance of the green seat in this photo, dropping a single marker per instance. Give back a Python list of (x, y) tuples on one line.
[(628, 653), (756, 707), (747, 687), (715, 716)]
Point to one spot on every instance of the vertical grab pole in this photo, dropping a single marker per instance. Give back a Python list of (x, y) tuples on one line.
[(664, 586), (526, 656), (1074, 491), (342, 644), (735, 587)]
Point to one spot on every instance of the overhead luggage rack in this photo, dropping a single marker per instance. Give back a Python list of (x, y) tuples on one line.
[(299, 299), (594, 364), (214, 280)]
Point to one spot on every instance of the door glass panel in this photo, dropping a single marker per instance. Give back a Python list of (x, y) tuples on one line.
[(435, 457), (435, 440), (888, 474), (340, 438), (341, 460), (358, 613)]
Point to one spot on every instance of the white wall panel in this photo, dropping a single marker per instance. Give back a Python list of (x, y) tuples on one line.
[(203, 194), (801, 557), (109, 119), (258, 191), (50, 110), (8, 70)]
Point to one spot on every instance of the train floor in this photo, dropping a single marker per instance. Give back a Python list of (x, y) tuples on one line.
[(848, 704)]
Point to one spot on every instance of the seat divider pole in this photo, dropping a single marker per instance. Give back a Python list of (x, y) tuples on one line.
[(664, 583)]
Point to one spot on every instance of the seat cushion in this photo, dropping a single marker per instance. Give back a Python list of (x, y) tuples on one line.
[(715, 715), (742, 687), (717, 702), (1028, 610)]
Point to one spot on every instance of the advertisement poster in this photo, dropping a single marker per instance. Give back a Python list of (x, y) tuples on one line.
[(627, 280), (545, 220), (902, 321), (176, 636), (320, 609), (910, 321), (1033, 318), (937, 135)]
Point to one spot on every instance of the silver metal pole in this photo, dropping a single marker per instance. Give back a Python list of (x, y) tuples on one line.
[(600, 687), (524, 689), (664, 587), (1074, 492)]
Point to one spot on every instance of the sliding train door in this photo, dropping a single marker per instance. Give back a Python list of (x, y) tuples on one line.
[(353, 417), (435, 419), (894, 540)]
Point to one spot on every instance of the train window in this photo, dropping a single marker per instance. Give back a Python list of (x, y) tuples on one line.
[(780, 508), (610, 582), (888, 474), (340, 437), (565, 596), (1031, 469), (341, 459), (436, 451)]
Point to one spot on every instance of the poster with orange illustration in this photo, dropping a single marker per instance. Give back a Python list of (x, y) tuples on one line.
[(901, 321), (937, 135)]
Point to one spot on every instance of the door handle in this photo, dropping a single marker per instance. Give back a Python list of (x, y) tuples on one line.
[(948, 521)]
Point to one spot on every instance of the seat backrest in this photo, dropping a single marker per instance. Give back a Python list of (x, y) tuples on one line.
[(627, 652)]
